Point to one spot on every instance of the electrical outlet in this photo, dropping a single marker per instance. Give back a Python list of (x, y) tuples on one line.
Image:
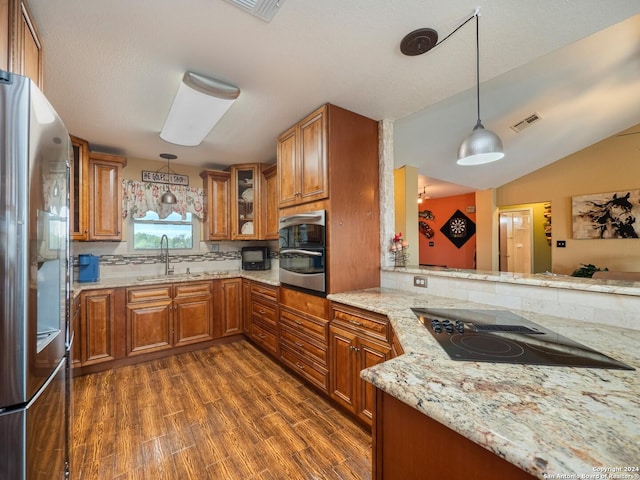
[(420, 281), (561, 243), (214, 247)]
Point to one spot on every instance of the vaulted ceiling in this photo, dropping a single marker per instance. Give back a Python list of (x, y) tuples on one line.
[(113, 68)]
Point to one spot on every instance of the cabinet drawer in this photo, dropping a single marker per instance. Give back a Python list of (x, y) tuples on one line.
[(311, 305), (303, 346), (264, 313), (372, 324), (310, 326), (147, 294), (269, 293), (265, 339), (315, 374), (182, 290)]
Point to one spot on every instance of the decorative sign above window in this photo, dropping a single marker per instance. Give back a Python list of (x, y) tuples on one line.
[(163, 177)]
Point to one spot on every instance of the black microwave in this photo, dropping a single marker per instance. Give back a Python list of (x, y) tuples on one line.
[(255, 258)]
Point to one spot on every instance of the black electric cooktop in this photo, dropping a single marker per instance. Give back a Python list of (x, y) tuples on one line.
[(502, 336)]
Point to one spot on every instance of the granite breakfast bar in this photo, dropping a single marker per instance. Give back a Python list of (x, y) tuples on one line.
[(552, 422)]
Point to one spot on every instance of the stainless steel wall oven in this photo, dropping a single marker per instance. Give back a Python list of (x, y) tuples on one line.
[(303, 251)]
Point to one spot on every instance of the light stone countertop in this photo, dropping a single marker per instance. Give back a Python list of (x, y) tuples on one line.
[(269, 277), (547, 420), (551, 280)]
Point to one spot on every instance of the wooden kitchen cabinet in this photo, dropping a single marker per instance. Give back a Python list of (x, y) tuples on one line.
[(79, 190), (409, 445), (192, 313), (358, 339), (100, 339), (20, 44), (76, 348), (105, 196), (167, 316), (304, 336), (245, 202), (303, 174), (329, 161), (270, 210), (228, 318), (149, 319), (262, 320), (217, 192)]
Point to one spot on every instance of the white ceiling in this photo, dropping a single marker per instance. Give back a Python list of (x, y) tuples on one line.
[(112, 70)]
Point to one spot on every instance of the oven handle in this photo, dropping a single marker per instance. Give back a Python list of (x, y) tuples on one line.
[(303, 216), (303, 252)]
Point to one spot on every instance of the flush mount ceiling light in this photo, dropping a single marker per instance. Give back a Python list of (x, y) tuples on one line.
[(199, 104), (481, 146), (168, 198)]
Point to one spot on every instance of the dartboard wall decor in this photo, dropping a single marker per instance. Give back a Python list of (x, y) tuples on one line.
[(458, 229)]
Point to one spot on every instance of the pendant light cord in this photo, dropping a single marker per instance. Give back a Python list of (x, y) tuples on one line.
[(478, 64)]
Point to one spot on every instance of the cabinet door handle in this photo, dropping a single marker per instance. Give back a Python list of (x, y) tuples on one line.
[(353, 322)]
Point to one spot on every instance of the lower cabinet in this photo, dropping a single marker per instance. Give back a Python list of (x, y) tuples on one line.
[(409, 445), (261, 320), (76, 350), (358, 340), (228, 294), (304, 336), (166, 316), (100, 339)]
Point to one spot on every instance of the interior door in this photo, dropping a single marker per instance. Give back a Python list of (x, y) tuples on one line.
[(516, 241)]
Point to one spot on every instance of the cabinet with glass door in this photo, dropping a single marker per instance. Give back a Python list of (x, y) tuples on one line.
[(245, 202)]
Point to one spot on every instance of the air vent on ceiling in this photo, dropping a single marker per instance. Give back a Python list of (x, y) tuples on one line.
[(263, 9), (527, 122)]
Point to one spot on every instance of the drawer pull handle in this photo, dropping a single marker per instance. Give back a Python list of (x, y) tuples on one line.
[(298, 322), (298, 344), (353, 322), (301, 367), (261, 335), (262, 312)]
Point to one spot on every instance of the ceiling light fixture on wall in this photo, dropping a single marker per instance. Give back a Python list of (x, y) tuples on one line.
[(199, 104), (423, 196), (168, 198), (481, 146)]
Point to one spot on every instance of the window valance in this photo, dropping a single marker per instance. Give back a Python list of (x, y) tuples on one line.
[(139, 197)]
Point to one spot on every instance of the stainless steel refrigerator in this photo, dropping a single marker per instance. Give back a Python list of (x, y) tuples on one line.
[(34, 284)]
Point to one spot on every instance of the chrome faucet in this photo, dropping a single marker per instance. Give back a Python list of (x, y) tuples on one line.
[(167, 270)]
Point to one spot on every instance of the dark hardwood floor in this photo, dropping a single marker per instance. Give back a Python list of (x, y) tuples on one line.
[(227, 412)]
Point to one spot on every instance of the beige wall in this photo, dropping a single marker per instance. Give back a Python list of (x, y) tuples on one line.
[(608, 166)]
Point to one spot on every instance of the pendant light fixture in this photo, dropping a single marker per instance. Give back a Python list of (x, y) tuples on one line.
[(481, 146), (168, 198)]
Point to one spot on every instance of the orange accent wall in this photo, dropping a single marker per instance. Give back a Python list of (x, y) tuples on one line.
[(443, 252)]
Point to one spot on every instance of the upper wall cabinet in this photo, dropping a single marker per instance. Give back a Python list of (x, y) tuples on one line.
[(217, 186), (245, 202), (241, 203), (105, 196), (303, 174), (79, 190), (20, 45)]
